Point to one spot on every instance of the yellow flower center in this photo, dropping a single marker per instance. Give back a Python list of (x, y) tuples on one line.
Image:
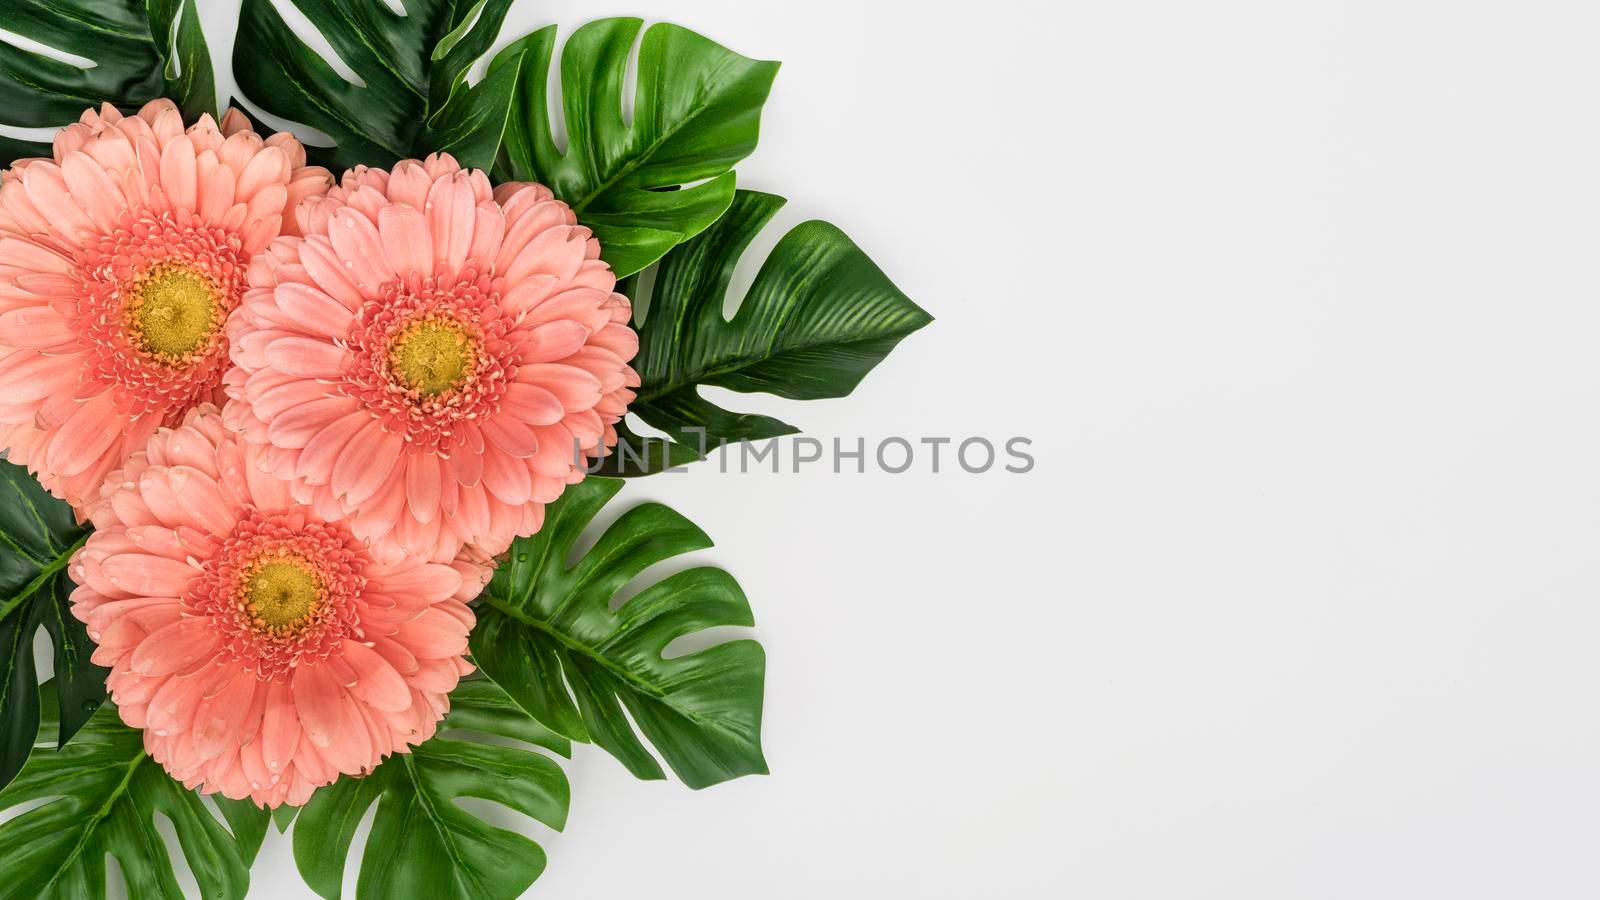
[(173, 311), (432, 356), (282, 593)]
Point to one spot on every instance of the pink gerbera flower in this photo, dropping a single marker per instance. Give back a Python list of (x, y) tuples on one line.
[(259, 645), (120, 259), (432, 357)]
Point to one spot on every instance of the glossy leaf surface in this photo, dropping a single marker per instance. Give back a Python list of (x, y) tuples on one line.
[(102, 794), (38, 535), (638, 184), (422, 843), (135, 50), (547, 634), (819, 316), (414, 99)]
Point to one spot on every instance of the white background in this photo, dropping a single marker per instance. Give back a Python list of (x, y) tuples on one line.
[(1297, 303)]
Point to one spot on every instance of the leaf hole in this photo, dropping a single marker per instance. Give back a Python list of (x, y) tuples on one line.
[(644, 288), (552, 98), (700, 641), (499, 815), (608, 514), (358, 851), (642, 428), (179, 863), (755, 256), (44, 652), (43, 134), (22, 809), (654, 574), (630, 78), (116, 881), (45, 50), (316, 42), (209, 801), (475, 72), (174, 58)]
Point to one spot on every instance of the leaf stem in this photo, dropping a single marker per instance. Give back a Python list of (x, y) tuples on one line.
[(45, 574)]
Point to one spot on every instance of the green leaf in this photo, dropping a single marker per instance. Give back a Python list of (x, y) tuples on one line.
[(819, 316), (248, 822), (139, 51), (422, 843), (284, 816), (416, 99), (102, 794), (696, 113), (544, 625), (186, 70), (38, 535)]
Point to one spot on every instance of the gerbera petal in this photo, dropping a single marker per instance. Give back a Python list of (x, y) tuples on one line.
[(322, 451), (470, 337), (360, 247), (93, 188), (319, 701), (423, 479), (377, 682), (365, 463), (295, 427), (532, 404), (313, 309), (220, 716), (175, 647), (179, 175), (280, 727), (433, 635), (306, 357), (407, 239)]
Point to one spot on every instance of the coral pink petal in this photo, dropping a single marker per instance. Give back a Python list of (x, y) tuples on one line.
[(476, 330), (360, 247), (280, 727), (175, 647), (407, 240), (366, 462), (130, 216), (261, 645), (153, 576), (305, 357), (219, 718), (531, 404), (377, 682), (433, 635), (319, 700), (423, 483), (86, 433)]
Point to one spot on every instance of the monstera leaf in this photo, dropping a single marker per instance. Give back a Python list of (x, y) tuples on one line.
[(422, 843), (544, 626), (38, 535), (415, 99), (248, 822), (696, 113), (101, 794), (818, 318), (138, 50)]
